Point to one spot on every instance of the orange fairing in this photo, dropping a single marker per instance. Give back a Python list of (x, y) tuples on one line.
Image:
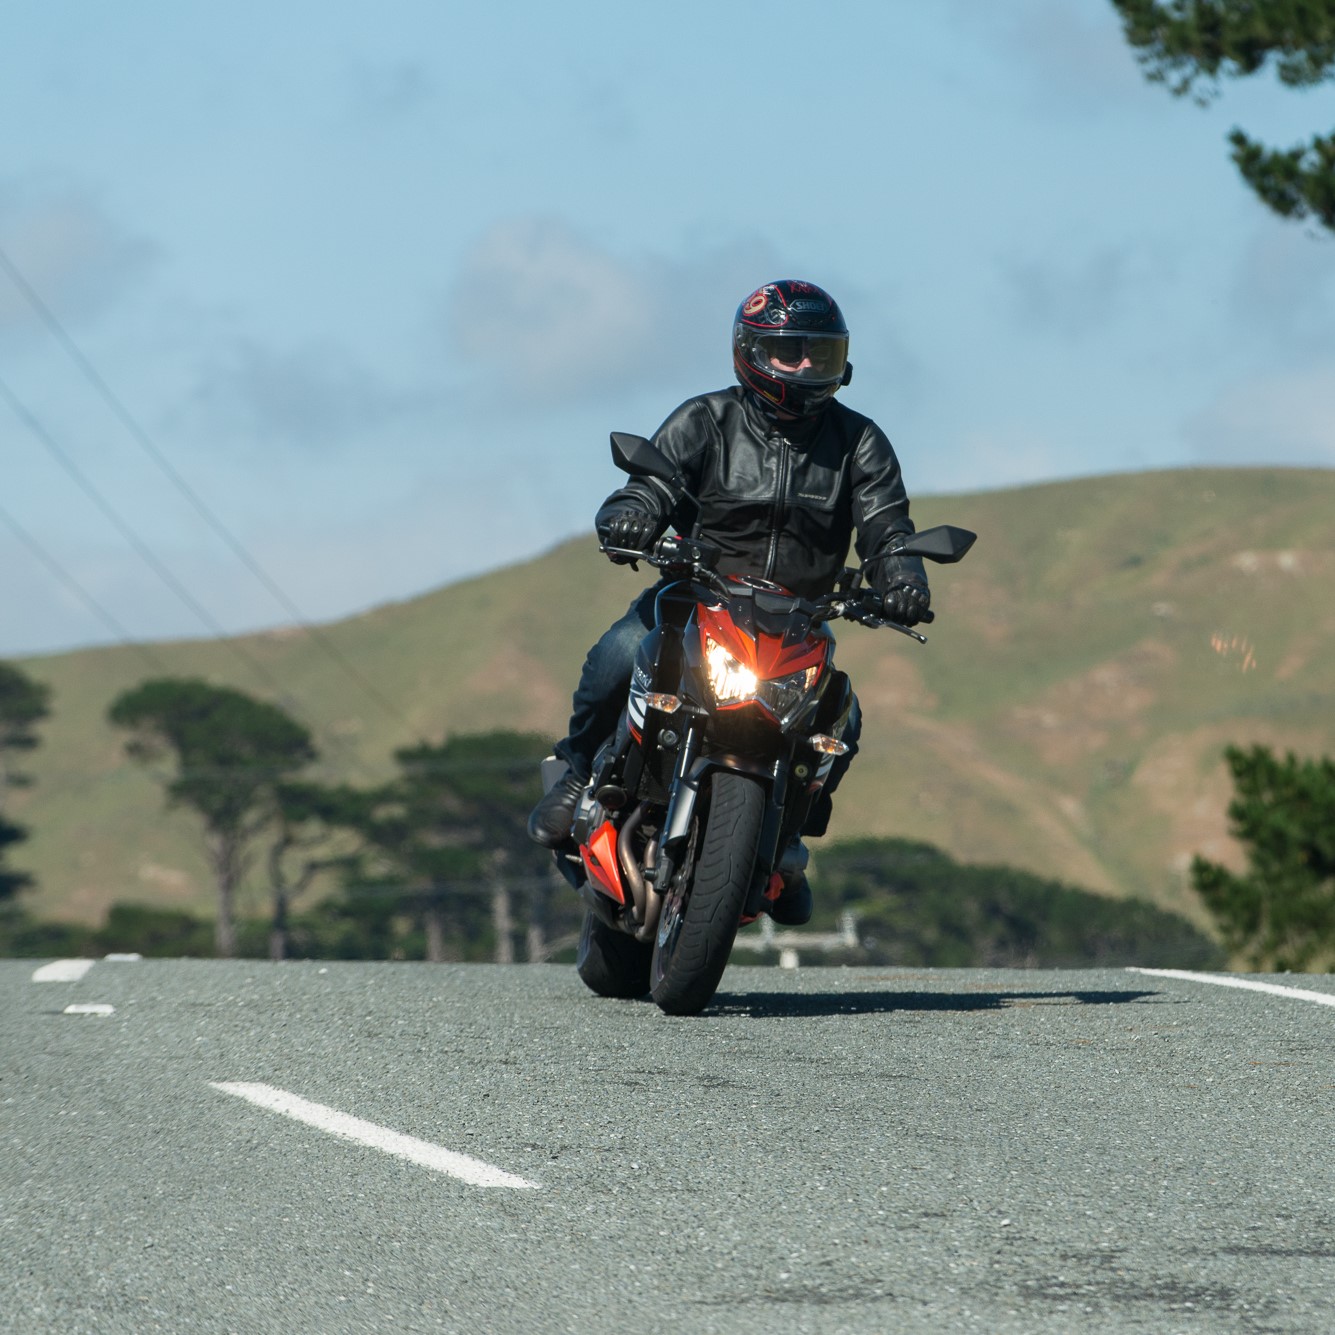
[(767, 655), (600, 861)]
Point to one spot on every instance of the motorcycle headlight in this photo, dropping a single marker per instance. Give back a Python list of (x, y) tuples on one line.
[(782, 695), (728, 679)]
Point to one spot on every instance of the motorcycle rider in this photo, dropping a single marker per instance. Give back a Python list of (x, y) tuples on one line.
[(786, 478)]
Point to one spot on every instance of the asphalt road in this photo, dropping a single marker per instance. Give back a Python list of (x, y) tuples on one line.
[(825, 1151)]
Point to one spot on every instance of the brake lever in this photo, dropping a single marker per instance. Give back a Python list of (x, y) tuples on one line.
[(634, 553), (876, 622), (904, 630)]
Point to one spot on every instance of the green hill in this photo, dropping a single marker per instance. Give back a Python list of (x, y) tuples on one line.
[(1093, 654)]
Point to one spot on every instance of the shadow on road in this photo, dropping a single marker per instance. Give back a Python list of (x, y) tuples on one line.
[(777, 1005)]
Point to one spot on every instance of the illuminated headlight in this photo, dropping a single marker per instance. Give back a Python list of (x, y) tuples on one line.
[(782, 695), (728, 679)]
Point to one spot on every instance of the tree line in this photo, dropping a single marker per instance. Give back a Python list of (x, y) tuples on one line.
[(434, 862), (24, 703)]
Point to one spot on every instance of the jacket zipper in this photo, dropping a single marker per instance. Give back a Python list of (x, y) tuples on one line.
[(778, 509)]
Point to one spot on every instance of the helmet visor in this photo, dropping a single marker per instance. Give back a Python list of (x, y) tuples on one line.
[(803, 358)]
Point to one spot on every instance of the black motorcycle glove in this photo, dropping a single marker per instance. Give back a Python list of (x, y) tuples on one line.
[(631, 528), (906, 603)]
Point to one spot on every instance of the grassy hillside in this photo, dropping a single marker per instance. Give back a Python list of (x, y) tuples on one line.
[(1093, 654)]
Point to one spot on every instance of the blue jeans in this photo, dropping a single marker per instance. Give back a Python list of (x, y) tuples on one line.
[(601, 696), (604, 684)]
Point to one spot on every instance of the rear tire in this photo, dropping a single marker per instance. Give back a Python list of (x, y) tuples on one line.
[(698, 925), (611, 963)]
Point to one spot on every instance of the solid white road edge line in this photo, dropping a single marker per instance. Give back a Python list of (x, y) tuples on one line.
[(62, 971), (1250, 984), (472, 1171)]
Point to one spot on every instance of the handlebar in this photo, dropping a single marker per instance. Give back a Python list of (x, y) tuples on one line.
[(697, 558)]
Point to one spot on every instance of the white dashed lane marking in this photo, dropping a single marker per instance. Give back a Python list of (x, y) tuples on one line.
[(90, 1008), (473, 1171), (62, 971), (1249, 984)]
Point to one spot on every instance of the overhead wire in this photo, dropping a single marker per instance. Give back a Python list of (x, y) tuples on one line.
[(122, 526), (145, 442), (63, 576), (38, 430), (146, 553), (112, 515), (142, 439)]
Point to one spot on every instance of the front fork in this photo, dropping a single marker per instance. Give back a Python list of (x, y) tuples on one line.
[(695, 763)]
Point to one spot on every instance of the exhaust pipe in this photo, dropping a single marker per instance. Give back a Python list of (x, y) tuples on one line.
[(653, 898), (630, 867), (648, 902)]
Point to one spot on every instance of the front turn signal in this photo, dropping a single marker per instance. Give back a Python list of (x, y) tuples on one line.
[(829, 746), (667, 704)]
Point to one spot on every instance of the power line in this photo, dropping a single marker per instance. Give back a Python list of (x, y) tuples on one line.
[(159, 568), (64, 577), (81, 480), (141, 437)]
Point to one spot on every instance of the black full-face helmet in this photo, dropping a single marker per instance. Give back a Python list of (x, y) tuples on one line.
[(790, 346)]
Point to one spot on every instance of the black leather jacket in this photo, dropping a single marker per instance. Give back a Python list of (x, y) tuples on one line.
[(782, 499)]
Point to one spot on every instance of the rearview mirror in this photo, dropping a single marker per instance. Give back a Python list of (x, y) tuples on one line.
[(944, 544), (640, 458)]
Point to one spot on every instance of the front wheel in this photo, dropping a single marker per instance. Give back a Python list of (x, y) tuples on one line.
[(700, 919)]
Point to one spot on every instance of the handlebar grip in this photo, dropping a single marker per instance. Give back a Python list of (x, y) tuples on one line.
[(927, 617)]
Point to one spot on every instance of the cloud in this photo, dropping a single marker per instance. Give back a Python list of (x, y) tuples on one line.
[(545, 315), (76, 258), (388, 91), (392, 545), (1072, 298), (317, 395), (1285, 285), (1007, 456), (1082, 55), (603, 107), (1078, 57), (1280, 418)]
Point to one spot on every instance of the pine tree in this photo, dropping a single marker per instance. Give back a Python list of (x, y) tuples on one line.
[(1281, 913), (11, 882), (23, 704), (1189, 45), (448, 835), (232, 753)]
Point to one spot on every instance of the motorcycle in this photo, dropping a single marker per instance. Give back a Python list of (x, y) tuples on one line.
[(734, 719)]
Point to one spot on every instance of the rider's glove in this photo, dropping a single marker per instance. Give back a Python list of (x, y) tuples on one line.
[(629, 528), (906, 602)]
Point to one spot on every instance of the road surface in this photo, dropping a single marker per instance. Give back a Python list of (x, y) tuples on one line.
[(326, 1147)]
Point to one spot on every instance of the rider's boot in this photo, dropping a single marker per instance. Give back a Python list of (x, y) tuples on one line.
[(549, 822), (792, 906)]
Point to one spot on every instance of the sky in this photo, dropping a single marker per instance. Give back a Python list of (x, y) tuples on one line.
[(339, 302)]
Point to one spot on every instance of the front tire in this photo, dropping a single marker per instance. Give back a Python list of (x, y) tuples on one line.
[(611, 963), (700, 920)]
